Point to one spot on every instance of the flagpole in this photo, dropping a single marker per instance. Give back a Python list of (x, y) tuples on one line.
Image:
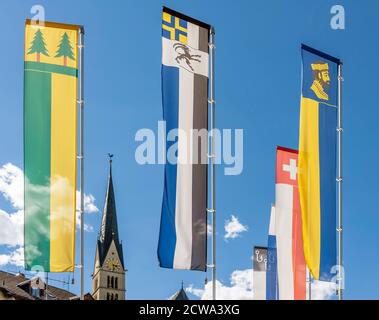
[(212, 103), (81, 158), (309, 276), (339, 181), (47, 284)]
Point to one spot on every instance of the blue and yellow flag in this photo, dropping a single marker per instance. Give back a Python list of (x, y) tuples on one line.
[(317, 161)]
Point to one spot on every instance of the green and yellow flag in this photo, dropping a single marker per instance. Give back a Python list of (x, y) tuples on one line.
[(50, 120)]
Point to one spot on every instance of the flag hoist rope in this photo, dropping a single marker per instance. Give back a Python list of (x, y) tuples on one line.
[(211, 155), (340, 270), (81, 156)]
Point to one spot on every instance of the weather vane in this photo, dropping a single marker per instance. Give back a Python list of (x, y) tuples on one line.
[(110, 157)]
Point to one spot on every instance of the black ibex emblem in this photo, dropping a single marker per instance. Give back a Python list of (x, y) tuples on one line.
[(184, 53)]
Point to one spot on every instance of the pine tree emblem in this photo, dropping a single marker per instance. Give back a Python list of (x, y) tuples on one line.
[(38, 46), (65, 49)]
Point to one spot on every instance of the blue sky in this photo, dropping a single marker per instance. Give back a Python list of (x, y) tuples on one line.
[(258, 90)]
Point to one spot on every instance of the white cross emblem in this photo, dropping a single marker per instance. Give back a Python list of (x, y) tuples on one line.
[(291, 168)]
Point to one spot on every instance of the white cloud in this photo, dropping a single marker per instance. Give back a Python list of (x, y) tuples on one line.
[(87, 227), (233, 228), (11, 231), (322, 290), (12, 185), (89, 207), (89, 203), (4, 259), (241, 287), (15, 258)]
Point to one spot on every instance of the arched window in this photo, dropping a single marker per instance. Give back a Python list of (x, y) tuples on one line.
[(112, 298), (108, 296), (112, 282), (116, 297), (116, 283), (108, 282)]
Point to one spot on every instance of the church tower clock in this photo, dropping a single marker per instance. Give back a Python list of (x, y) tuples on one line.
[(108, 278)]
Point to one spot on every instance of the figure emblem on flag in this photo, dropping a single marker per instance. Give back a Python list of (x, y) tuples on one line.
[(184, 54), (321, 82)]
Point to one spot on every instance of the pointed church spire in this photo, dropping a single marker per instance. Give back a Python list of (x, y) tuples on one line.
[(109, 227), (180, 295)]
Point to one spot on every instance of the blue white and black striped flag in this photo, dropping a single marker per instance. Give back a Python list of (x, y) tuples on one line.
[(185, 55)]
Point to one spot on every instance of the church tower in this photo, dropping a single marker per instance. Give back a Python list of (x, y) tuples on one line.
[(108, 278)]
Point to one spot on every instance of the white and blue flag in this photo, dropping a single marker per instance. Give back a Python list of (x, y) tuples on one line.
[(185, 55), (272, 264)]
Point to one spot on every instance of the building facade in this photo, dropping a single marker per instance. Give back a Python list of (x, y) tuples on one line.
[(19, 287)]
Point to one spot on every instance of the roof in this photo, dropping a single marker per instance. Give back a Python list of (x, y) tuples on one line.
[(17, 286), (109, 227), (180, 295)]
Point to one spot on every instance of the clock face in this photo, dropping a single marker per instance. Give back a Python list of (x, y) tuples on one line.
[(113, 265)]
